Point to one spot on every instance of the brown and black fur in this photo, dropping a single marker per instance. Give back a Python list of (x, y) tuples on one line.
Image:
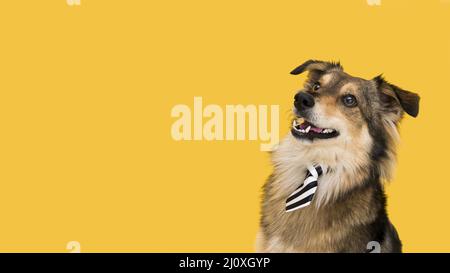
[(349, 208)]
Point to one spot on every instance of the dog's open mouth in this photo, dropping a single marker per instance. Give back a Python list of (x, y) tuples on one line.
[(310, 131)]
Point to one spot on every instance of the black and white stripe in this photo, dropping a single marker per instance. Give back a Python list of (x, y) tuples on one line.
[(304, 194)]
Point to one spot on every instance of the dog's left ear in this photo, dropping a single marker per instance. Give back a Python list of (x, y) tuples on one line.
[(394, 98), (316, 65)]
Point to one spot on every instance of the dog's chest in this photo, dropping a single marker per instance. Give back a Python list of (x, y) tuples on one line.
[(308, 229), (317, 227)]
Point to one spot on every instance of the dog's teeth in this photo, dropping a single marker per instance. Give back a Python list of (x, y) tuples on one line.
[(296, 126), (307, 129)]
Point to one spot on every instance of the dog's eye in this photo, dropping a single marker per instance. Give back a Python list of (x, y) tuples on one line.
[(316, 86), (349, 100)]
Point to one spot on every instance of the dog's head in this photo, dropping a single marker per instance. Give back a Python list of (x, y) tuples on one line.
[(346, 123), (336, 107)]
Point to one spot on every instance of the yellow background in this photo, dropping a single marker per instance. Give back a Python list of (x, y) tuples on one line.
[(86, 92)]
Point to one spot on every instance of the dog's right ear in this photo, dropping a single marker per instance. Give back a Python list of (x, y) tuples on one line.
[(394, 98), (315, 65)]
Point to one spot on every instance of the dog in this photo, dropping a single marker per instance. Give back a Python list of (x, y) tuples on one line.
[(350, 125)]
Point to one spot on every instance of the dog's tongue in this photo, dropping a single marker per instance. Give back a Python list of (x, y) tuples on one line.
[(315, 129)]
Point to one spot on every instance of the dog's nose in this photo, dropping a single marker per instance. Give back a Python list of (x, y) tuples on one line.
[(303, 101)]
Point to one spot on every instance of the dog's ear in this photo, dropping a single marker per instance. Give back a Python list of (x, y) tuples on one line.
[(395, 99), (311, 65)]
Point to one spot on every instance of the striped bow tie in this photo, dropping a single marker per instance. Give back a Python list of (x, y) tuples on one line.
[(304, 194)]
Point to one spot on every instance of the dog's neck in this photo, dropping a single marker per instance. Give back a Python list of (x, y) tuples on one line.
[(349, 165)]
